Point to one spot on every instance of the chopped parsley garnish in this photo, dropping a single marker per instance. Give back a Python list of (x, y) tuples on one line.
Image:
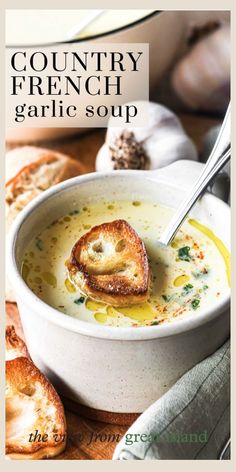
[(183, 254), (79, 300), (205, 287), (53, 223), (201, 273), (167, 298), (154, 323), (186, 289), (74, 212), (195, 303), (39, 243)]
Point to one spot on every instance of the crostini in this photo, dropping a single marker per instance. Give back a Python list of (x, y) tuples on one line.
[(110, 263)]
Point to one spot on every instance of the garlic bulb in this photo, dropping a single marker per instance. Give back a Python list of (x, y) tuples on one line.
[(202, 78), (158, 144)]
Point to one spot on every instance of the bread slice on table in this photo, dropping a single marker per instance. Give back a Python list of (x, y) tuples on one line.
[(110, 264), (29, 171), (32, 407), (15, 346)]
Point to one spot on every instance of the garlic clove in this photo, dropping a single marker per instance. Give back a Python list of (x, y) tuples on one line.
[(103, 160), (175, 147), (158, 144), (201, 79)]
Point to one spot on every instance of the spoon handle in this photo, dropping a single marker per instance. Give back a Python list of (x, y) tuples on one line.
[(214, 164), (83, 24)]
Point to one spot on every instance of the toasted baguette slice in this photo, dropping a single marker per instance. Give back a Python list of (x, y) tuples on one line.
[(29, 171), (15, 347), (109, 263), (32, 404)]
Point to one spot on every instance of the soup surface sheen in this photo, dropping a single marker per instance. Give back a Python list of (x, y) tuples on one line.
[(187, 277)]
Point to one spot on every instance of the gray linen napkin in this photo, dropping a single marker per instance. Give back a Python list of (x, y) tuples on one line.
[(191, 421)]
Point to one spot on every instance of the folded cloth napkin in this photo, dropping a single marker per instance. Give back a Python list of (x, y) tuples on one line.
[(191, 421)]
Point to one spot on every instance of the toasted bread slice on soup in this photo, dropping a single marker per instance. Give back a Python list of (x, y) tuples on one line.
[(35, 421), (109, 263)]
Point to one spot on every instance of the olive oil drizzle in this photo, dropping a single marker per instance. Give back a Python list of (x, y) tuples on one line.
[(218, 243)]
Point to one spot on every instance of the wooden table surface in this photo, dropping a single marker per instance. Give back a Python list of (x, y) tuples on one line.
[(88, 439)]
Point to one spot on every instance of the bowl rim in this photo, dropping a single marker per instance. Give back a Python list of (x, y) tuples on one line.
[(26, 296), (89, 38)]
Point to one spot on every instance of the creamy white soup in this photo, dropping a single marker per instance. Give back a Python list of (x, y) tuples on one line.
[(189, 276)]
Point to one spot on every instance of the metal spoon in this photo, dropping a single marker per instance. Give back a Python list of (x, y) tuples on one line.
[(74, 32), (219, 156)]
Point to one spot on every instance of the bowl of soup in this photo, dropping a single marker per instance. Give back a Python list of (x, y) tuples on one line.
[(122, 359)]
